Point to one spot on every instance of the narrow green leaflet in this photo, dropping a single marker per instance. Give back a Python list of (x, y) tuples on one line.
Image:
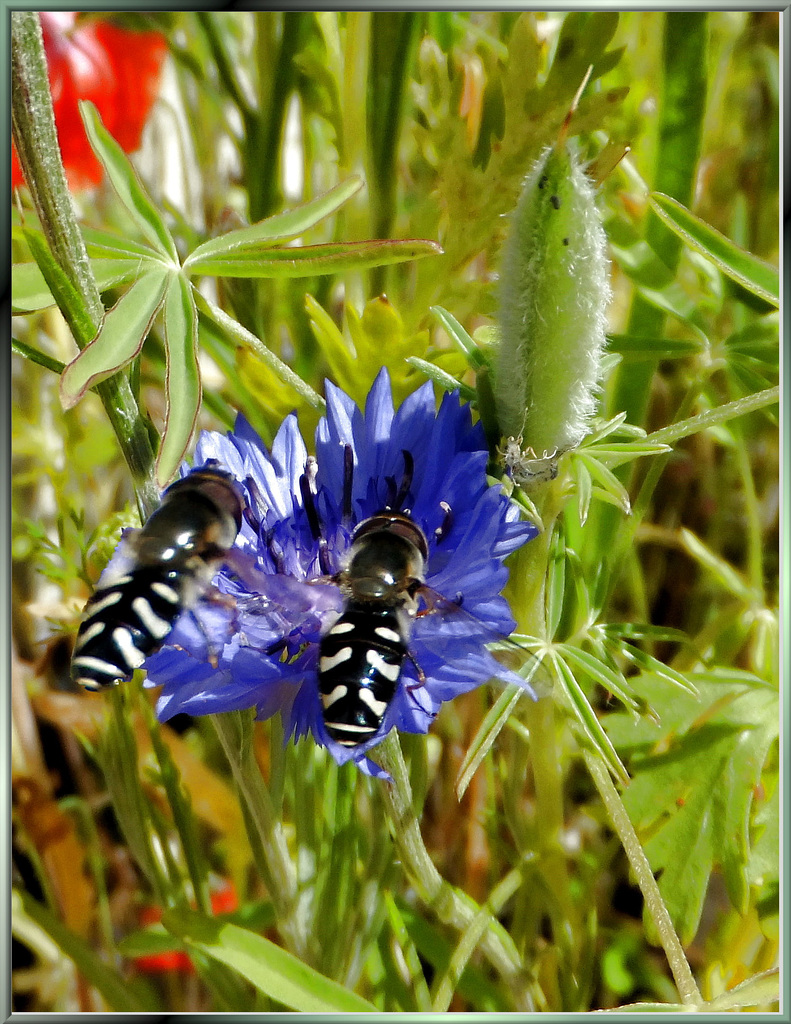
[(105, 245), (261, 260), (487, 733), (126, 183), (755, 275), (601, 673), (458, 335), (609, 483), (182, 381), (634, 346), (30, 292), (577, 702), (444, 380), (278, 974), (282, 227), (120, 337)]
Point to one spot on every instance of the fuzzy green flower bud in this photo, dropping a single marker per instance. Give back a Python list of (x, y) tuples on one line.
[(554, 294)]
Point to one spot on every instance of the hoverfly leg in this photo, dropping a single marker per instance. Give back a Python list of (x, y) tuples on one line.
[(348, 481), (406, 480)]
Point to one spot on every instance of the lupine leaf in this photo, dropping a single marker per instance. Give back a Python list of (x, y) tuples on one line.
[(120, 337), (280, 228), (758, 277), (182, 382), (458, 335), (444, 380), (30, 292), (588, 720), (260, 260), (126, 183)]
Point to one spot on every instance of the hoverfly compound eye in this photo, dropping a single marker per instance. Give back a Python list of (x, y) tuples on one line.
[(397, 523)]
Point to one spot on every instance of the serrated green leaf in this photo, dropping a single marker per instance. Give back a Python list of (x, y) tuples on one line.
[(280, 228), (693, 799), (588, 720), (120, 337), (182, 382), (126, 183), (307, 260), (758, 277), (278, 974)]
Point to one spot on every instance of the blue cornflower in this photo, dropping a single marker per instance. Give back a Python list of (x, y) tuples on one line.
[(258, 645)]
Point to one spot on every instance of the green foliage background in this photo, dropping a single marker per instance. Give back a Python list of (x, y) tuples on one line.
[(659, 625)]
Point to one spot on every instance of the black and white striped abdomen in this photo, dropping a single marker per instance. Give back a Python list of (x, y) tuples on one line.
[(124, 622), (360, 662)]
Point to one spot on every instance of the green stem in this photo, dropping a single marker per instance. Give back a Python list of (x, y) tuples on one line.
[(234, 731), (655, 905), (451, 907), (35, 356), (36, 141)]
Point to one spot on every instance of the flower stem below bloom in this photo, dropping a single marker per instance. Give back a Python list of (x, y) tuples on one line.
[(451, 906)]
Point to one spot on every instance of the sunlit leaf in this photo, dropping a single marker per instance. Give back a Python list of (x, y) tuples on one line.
[(273, 971), (259, 260), (757, 277), (282, 227), (182, 381), (126, 183), (120, 337)]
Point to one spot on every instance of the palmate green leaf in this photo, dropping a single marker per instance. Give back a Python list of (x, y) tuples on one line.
[(273, 971), (260, 260), (182, 381), (758, 277), (120, 337), (693, 800), (106, 245), (282, 227), (126, 183)]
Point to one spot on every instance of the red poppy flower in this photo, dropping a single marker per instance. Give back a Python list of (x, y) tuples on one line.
[(116, 69), (223, 901)]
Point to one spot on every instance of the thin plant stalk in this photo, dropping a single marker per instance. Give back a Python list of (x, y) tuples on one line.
[(36, 141)]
